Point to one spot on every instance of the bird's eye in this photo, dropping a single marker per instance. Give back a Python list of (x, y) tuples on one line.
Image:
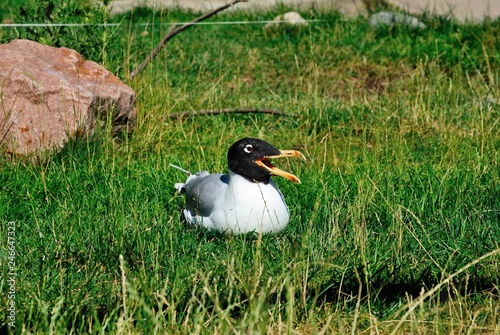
[(248, 148)]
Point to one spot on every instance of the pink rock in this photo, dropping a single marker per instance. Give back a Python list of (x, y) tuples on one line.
[(48, 95)]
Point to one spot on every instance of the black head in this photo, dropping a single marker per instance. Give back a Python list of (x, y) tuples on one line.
[(242, 157)]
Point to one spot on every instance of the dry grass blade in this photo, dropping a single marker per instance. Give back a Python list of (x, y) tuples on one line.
[(412, 305)]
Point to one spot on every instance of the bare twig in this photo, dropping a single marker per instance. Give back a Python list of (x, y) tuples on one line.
[(229, 111), (174, 31)]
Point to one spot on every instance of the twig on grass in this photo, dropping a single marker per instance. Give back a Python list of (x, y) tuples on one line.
[(229, 111), (174, 31)]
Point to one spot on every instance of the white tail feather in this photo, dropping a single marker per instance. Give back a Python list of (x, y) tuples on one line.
[(179, 168)]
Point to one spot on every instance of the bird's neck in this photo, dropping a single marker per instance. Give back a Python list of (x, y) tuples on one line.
[(236, 176)]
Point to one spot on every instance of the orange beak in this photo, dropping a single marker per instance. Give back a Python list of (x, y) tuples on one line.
[(266, 164)]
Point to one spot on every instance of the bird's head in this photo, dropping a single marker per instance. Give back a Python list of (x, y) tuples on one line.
[(249, 157)]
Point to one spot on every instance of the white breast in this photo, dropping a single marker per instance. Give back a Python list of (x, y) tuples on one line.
[(247, 206)]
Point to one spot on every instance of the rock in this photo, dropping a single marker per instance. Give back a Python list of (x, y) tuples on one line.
[(51, 94), (292, 18), (391, 18)]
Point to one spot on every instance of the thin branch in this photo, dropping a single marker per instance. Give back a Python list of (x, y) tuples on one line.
[(229, 111), (174, 31)]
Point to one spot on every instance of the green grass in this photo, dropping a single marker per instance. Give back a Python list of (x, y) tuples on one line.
[(401, 189)]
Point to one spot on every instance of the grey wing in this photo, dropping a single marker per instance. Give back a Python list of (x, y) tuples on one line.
[(202, 191)]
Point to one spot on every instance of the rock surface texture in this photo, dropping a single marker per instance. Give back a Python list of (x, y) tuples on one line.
[(49, 95), (392, 18)]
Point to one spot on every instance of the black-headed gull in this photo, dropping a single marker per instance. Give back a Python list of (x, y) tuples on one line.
[(244, 200)]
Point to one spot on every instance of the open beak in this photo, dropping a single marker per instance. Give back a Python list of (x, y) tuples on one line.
[(266, 164)]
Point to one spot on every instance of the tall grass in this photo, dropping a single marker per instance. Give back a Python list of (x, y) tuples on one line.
[(395, 226)]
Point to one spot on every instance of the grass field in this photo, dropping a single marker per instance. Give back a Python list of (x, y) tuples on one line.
[(395, 227)]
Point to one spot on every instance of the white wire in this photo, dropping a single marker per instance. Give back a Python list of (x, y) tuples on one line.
[(8, 25)]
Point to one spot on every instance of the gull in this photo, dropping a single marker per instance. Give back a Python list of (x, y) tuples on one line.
[(245, 199)]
